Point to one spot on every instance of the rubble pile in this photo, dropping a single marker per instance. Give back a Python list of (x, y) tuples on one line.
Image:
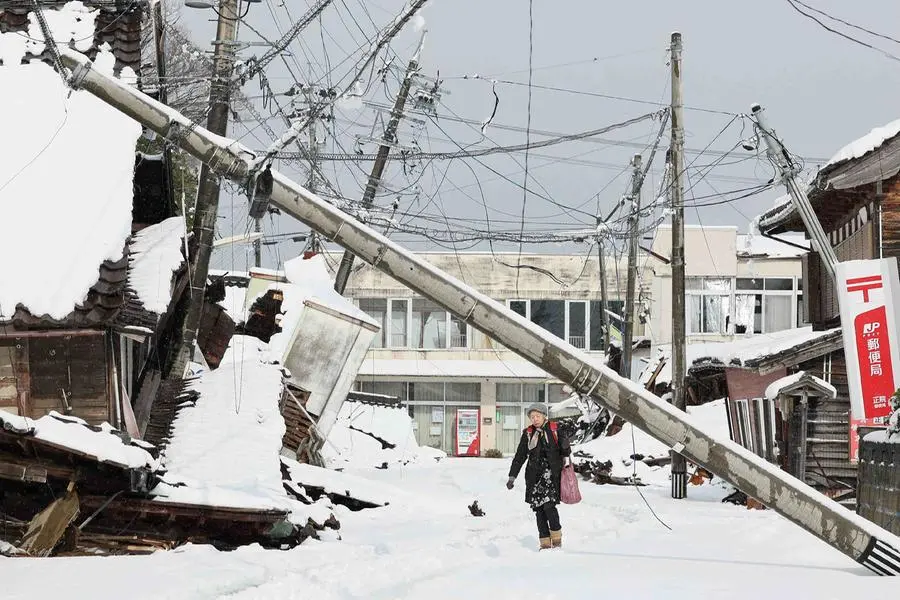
[(69, 488)]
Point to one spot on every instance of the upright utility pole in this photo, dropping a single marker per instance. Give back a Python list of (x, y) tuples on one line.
[(381, 158), (788, 170), (604, 295), (858, 538), (679, 465), (207, 206), (634, 219)]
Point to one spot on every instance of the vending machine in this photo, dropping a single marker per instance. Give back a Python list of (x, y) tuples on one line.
[(468, 430)]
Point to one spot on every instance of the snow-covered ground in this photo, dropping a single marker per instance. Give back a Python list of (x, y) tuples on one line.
[(425, 544)]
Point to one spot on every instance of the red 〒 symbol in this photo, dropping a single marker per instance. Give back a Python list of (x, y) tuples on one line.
[(864, 284)]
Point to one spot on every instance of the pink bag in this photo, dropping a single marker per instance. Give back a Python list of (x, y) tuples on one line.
[(569, 493)]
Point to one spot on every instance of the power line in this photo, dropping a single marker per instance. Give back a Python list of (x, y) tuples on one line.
[(847, 23), (840, 33)]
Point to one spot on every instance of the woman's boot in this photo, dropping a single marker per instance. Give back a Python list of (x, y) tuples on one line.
[(556, 539), (546, 543)]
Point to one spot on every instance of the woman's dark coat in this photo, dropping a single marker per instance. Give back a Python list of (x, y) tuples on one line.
[(556, 451)]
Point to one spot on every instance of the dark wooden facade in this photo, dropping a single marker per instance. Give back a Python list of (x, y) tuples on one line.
[(857, 202), (64, 371)]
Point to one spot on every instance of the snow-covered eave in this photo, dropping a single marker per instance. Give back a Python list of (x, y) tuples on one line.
[(798, 383), (766, 362)]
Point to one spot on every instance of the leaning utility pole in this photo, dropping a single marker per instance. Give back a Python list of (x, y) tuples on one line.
[(679, 465), (865, 542), (207, 206), (788, 171), (634, 219), (381, 158)]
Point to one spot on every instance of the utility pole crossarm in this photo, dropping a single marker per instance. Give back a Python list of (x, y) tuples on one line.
[(853, 535)]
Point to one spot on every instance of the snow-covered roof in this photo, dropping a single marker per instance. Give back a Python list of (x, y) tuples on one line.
[(758, 246), (791, 381), (493, 369), (77, 435), (867, 143), (740, 352), (309, 280), (66, 209), (155, 255), (355, 439)]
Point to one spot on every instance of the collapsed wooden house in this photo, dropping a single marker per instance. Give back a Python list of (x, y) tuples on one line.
[(88, 307)]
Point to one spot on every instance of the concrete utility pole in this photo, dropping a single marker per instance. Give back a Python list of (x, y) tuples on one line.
[(634, 219), (788, 170), (858, 538), (679, 313), (207, 206), (604, 295), (381, 158)]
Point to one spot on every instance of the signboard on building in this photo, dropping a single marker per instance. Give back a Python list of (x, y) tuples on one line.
[(867, 292), (467, 430)]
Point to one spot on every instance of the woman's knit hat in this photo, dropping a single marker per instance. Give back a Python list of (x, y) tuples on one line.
[(536, 406)]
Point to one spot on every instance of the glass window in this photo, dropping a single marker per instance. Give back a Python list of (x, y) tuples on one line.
[(556, 393), (801, 316), (429, 324), (744, 312), (532, 392), (708, 313), (596, 328), (426, 391), (6, 361), (458, 333), (780, 283), (396, 389), (551, 315), (399, 323), (577, 323), (463, 393), (377, 309), (519, 306), (509, 392), (778, 313), (748, 284)]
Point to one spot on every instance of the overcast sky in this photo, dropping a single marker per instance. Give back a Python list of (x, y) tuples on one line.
[(821, 91)]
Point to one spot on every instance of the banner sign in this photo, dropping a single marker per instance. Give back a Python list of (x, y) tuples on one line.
[(867, 292), (467, 430)]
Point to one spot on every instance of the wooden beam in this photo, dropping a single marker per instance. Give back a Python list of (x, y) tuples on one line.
[(49, 525)]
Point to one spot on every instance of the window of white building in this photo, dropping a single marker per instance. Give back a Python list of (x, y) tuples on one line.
[(708, 304), (417, 323)]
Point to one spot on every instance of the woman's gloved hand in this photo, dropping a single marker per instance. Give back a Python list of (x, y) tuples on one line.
[(510, 482)]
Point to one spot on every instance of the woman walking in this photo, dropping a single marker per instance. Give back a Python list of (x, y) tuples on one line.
[(545, 451)]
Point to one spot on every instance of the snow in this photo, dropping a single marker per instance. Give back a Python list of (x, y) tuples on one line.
[(775, 387), (758, 246), (234, 302), (426, 545), (350, 441), (82, 199), (882, 436), (737, 351), (238, 401), (494, 369), (867, 143), (155, 255), (309, 280), (75, 434), (336, 482), (630, 440)]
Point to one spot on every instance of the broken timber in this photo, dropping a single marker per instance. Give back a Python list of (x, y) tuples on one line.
[(861, 540)]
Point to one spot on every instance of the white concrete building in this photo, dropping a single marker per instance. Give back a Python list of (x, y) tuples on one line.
[(736, 285), (438, 365)]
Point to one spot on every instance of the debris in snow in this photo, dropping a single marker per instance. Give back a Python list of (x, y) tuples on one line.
[(357, 438), (476, 510), (308, 483)]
